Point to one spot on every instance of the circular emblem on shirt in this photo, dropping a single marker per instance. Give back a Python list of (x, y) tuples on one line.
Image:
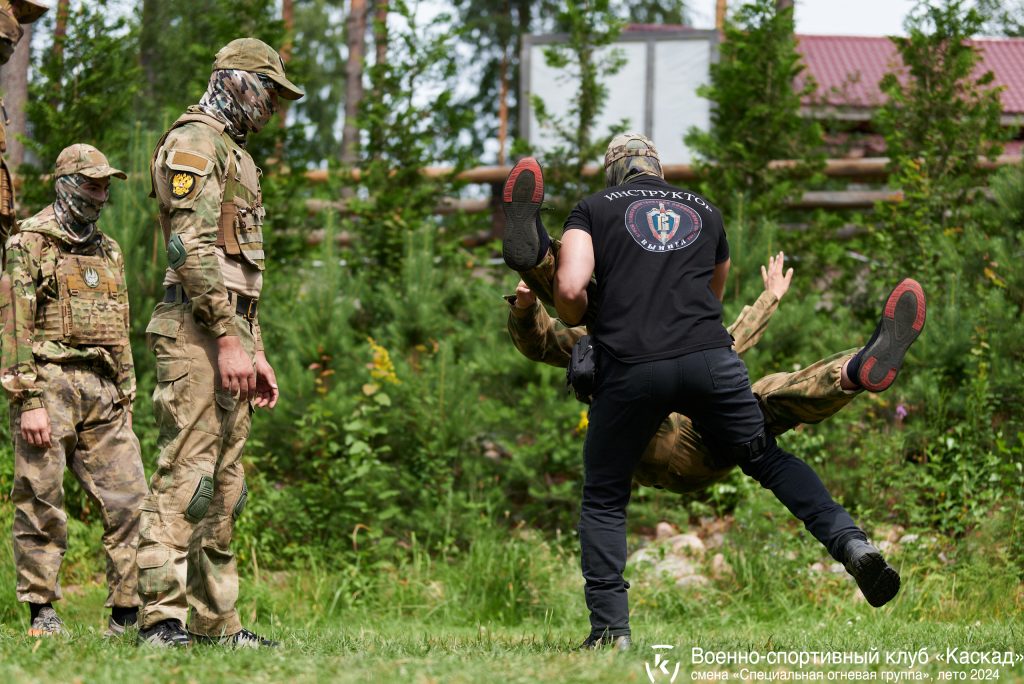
[(92, 278), (662, 225), (182, 183)]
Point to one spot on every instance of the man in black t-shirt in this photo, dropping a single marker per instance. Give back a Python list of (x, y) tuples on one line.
[(660, 257)]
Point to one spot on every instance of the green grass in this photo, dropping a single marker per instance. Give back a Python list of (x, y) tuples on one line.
[(509, 608), (359, 646)]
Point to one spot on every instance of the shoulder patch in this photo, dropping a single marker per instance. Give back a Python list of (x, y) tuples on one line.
[(182, 183)]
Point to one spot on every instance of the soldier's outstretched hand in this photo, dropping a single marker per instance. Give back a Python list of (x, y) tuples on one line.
[(266, 383), (35, 427), (774, 281), (524, 296)]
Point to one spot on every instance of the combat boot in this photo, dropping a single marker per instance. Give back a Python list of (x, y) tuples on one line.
[(47, 623), (525, 240), (121, 621), (242, 639), (164, 634), (878, 581)]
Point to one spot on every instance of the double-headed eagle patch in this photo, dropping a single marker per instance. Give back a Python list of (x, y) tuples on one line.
[(182, 183)]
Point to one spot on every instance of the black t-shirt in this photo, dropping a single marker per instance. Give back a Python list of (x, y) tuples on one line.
[(655, 248)]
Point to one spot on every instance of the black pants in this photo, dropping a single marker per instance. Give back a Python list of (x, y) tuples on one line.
[(712, 388)]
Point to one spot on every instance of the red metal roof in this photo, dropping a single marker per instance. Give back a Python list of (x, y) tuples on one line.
[(847, 69)]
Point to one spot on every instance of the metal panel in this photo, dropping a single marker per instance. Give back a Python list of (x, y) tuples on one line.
[(654, 91)]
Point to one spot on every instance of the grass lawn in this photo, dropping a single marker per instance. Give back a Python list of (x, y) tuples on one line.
[(357, 647)]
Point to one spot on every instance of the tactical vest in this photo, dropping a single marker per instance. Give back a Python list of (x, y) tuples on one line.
[(240, 226), (88, 310)]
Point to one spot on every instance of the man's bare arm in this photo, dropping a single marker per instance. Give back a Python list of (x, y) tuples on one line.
[(718, 278), (575, 268)]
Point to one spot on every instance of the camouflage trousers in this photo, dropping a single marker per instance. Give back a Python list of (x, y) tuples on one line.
[(679, 460), (90, 434), (198, 488)]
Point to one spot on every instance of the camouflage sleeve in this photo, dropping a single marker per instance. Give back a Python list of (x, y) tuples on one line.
[(188, 178), (257, 334), (750, 324), (539, 337), (125, 363), (18, 307)]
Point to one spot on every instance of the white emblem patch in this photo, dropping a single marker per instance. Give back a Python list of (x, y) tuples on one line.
[(92, 278)]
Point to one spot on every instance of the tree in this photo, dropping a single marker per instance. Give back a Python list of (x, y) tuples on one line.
[(1002, 17), (941, 115), (589, 57), (88, 74), (318, 64), (177, 42), (413, 120), (756, 114), (356, 39), (14, 83)]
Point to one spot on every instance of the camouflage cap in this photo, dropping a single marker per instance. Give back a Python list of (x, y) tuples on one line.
[(86, 160), (629, 154), (629, 145), (27, 11), (252, 54)]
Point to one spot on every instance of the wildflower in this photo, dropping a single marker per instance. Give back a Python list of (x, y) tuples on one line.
[(381, 368), (581, 427), (901, 412)]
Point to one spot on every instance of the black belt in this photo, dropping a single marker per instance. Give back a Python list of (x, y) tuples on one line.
[(246, 307)]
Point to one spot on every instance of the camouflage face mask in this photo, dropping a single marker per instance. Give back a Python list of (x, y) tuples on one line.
[(628, 168), (10, 32), (240, 99), (77, 210)]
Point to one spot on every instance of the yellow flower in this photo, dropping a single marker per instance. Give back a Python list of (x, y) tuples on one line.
[(581, 427), (381, 368)]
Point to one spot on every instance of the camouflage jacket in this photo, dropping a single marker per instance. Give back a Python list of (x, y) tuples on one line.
[(539, 337), (199, 153), (29, 281)]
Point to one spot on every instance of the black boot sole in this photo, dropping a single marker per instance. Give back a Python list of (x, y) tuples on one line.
[(521, 200), (902, 321), (877, 580)]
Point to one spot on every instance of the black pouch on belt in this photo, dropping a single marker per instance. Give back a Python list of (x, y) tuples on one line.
[(581, 375)]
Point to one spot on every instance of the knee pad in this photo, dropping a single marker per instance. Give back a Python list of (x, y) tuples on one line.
[(735, 454), (754, 449), (240, 504), (200, 501)]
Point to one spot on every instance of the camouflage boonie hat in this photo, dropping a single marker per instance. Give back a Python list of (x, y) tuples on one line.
[(27, 11), (630, 152), (252, 54), (86, 160)]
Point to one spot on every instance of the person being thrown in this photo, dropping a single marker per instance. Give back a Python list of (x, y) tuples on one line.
[(665, 355)]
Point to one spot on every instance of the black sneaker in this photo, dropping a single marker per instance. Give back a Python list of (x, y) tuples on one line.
[(521, 200), (242, 639), (164, 634), (902, 321), (878, 581), (596, 642)]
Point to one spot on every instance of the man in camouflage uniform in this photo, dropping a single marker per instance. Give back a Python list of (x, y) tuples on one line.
[(13, 13), (68, 372), (210, 362), (678, 459)]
